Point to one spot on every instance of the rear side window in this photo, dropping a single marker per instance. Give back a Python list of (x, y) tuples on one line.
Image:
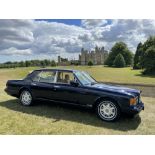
[(45, 76), (32, 75)]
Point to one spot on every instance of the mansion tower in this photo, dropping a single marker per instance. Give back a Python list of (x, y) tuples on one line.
[(98, 56)]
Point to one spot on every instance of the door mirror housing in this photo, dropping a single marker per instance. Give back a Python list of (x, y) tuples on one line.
[(73, 83)]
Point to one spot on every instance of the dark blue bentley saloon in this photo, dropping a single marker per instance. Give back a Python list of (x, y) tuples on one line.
[(77, 88)]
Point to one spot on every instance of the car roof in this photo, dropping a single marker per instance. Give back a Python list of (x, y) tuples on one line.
[(56, 69)]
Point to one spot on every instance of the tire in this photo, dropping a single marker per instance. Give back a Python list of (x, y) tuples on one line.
[(26, 98), (108, 110)]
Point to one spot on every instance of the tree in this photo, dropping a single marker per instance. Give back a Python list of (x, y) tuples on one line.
[(120, 48), (137, 57), (21, 64), (90, 63), (150, 42), (149, 60), (53, 63), (27, 63), (109, 60), (119, 61), (47, 62), (145, 56), (43, 64)]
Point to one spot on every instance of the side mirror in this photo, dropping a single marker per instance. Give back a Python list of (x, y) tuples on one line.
[(73, 83)]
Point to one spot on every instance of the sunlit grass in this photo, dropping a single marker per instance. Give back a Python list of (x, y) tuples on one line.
[(48, 118)]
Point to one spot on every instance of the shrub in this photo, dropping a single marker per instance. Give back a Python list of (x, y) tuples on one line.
[(90, 63), (119, 61)]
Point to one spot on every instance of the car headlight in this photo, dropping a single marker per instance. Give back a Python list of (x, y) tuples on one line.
[(133, 101)]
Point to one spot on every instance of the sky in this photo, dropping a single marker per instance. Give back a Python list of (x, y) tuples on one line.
[(46, 39)]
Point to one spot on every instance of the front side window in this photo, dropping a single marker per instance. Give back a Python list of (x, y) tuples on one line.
[(85, 78), (64, 77), (45, 76)]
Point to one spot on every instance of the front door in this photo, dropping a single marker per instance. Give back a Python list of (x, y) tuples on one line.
[(64, 91)]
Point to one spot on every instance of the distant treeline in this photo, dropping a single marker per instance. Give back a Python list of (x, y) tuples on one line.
[(28, 63)]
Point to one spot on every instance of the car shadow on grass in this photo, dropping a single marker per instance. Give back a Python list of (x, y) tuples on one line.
[(59, 112)]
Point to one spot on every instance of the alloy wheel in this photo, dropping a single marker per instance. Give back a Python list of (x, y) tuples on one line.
[(107, 110), (26, 98)]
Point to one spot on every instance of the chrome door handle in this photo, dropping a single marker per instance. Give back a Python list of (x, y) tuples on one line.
[(34, 84), (56, 86)]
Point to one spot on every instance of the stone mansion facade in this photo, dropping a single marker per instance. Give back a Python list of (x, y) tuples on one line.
[(98, 56)]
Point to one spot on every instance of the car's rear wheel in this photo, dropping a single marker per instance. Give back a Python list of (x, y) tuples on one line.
[(26, 98), (108, 110)]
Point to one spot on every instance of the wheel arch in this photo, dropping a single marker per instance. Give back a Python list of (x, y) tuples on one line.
[(21, 89), (98, 100)]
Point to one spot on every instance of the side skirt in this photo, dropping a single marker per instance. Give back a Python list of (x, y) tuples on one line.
[(66, 103)]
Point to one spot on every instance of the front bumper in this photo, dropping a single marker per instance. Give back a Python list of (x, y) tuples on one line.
[(133, 110), (137, 108)]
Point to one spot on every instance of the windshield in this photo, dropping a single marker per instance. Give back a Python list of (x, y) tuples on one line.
[(85, 78)]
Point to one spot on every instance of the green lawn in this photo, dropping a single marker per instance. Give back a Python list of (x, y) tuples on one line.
[(100, 73), (48, 118)]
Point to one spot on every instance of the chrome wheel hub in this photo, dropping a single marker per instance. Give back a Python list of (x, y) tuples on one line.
[(26, 98), (107, 110)]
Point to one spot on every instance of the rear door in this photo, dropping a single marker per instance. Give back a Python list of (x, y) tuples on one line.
[(42, 85)]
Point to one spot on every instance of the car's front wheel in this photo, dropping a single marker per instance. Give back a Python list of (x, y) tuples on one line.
[(26, 98), (108, 110)]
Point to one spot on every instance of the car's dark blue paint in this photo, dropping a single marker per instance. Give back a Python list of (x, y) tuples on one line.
[(83, 95)]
